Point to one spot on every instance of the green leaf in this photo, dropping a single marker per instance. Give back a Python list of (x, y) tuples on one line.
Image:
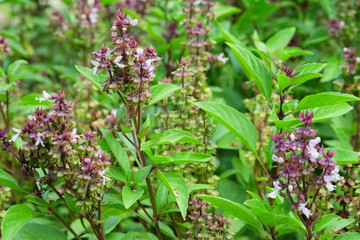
[(229, 37), (161, 91), (349, 236), (326, 221), (118, 151), (308, 71), (235, 121), (289, 52), (324, 99), (283, 80), (189, 157), (177, 136), (15, 218), (129, 197), (96, 79), (269, 62), (311, 68), (128, 236), (224, 11), (35, 231), (320, 114), (343, 156), (338, 225), (281, 39), (198, 187), (8, 181), (177, 187), (117, 174), (303, 78), (264, 215), (142, 173), (235, 209), (14, 68), (254, 69)]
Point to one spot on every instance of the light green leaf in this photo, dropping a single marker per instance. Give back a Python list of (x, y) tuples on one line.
[(14, 68), (311, 68), (35, 231), (235, 209), (15, 218), (303, 78), (8, 181), (281, 39), (235, 121), (177, 136), (326, 221), (177, 187), (96, 79), (320, 114), (129, 197), (142, 173), (255, 69), (198, 187), (349, 236), (324, 99), (117, 174), (118, 151), (343, 156), (283, 80), (224, 11), (161, 91)]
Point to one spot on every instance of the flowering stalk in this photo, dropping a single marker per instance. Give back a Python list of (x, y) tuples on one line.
[(130, 70), (53, 147), (304, 168)]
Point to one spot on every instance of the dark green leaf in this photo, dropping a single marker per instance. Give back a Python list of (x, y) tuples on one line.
[(35, 231)]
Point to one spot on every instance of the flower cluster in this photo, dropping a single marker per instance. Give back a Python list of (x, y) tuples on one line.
[(52, 145), (206, 225), (335, 26), (304, 166), (4, 45), (130, 67), (352, 61)]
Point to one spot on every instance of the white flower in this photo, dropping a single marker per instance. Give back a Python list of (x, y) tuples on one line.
[(134, 22), (305, 211), (73, 134), (117, 62), (139, 52), (292, 137), (40, 138), (18, 131), (46, 96), (274, 193), (221, 58), (93, 16), (333, 177), (311, 147), (96, 65), (102, 174), (31, 117), (277, 159)]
